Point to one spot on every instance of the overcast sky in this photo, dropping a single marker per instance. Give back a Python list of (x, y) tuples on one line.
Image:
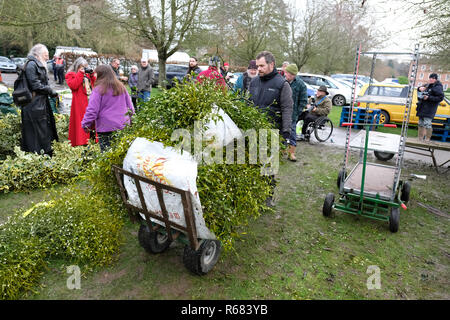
[(392, 19)]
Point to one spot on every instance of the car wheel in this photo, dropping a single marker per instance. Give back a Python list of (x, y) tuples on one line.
[(338, 100), (384, 117)]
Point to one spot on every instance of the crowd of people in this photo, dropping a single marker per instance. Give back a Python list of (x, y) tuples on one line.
[(101, 103)]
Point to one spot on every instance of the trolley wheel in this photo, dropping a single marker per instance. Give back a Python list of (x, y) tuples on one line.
[(323, 129), (201, 261), (152, 241), (394, 219), (342, 174), (406, 189), (328, 205), (383, 156)]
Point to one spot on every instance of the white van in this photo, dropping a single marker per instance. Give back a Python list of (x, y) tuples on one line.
[(85, 51)]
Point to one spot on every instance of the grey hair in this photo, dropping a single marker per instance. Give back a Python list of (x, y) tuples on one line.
[(77, 64), (286, 63), (268, 56), (37, 51)]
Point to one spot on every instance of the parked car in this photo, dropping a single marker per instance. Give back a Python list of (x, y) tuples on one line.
[(391, 99), (349, 83), (19, 62), (340, 93), (310, 90), (361, 78), (6, 65), (177, 71)]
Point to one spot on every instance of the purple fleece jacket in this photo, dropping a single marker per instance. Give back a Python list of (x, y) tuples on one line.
[(107, 112)]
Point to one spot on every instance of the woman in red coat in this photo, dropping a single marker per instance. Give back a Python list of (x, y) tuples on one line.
[(80, 80)]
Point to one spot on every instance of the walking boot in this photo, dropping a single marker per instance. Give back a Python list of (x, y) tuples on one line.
[(291, 154)]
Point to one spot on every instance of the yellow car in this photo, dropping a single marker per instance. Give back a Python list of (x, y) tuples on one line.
[(391, 99)]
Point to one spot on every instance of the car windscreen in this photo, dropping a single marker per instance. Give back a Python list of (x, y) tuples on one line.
[(399, 92), (177, 69), (3, 59)]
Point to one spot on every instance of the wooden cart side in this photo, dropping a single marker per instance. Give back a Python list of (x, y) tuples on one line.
[(190, 228)]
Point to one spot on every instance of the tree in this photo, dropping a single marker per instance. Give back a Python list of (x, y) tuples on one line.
[(305, 27), (433, 26), (163, 23)]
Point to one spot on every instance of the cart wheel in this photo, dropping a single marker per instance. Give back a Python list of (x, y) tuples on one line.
[(201, 261), (394, 219), (328, 205), (152, 241), (406, 189), (383, 156), (341, 174)]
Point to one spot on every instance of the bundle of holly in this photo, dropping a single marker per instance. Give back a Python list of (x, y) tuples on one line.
[(231, 193)]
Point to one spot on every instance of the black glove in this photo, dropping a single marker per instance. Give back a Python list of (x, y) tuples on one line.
[(53, 93), (286, 135)]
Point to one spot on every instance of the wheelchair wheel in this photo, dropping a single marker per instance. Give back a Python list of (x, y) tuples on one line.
[(323, 129)]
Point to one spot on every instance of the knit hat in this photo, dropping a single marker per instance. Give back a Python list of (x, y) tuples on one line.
[(252, 65), (292, 69), (433, 75), (225, 64)]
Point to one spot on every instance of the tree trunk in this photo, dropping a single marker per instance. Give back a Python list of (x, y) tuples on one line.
[(29, 38), (162, 71)]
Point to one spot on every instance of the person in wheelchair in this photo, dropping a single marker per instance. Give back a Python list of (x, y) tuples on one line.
[(321, 107)]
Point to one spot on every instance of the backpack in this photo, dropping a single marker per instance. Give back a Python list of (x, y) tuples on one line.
[(22, 94)]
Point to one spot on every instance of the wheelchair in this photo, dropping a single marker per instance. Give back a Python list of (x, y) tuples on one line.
[(322, 128)]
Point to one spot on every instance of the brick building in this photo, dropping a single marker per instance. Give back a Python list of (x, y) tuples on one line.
[(426, 69)]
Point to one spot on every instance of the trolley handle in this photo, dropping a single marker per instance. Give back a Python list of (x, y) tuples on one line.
[(349, 124)]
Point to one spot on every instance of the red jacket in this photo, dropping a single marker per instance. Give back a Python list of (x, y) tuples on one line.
[(77, 136), (212, 73)]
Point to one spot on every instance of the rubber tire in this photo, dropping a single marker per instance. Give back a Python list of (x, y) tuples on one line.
[(201, 261), (394, 219), (383, 156), (387, 118), (406, 189), (338, 182), (152, 241), (317, 135), (328, 205), (340, 100)]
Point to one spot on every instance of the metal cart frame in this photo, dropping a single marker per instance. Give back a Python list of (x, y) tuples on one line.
[(199, 256), (383, 202)]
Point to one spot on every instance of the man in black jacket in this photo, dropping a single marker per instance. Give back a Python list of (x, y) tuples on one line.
[(429, 97), (38, 122), (272, 94)]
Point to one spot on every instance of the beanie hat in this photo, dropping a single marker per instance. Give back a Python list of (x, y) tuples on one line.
[(292, 69), (433, 75), (252, 65), (225, 64)]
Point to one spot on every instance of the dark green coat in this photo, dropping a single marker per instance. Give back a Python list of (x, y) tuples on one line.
[(300, 97)]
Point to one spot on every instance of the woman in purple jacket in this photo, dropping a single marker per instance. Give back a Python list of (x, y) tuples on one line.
[(109, 108)]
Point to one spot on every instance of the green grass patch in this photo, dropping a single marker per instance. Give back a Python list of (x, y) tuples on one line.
[(295, 253)]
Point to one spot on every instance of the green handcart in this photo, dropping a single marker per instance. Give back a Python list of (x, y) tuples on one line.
[(374, 190)]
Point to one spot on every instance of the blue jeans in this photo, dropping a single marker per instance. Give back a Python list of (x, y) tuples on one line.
[(144, 95), (293, 138)]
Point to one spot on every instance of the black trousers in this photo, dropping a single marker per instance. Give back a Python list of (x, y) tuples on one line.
[(310, 117)]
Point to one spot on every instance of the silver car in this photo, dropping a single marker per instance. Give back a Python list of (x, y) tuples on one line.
[(340, 93), (7, 65)]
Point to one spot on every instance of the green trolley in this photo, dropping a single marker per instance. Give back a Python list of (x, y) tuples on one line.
[(374, 190)]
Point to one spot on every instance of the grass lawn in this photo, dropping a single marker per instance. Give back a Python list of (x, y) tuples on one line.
[(294, 253)]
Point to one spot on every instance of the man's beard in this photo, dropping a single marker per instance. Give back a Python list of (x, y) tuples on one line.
[(252, 76)]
